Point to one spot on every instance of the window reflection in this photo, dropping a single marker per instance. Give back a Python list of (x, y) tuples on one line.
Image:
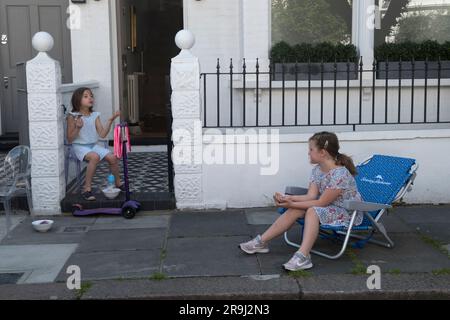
[(311, 21), (413, 20)]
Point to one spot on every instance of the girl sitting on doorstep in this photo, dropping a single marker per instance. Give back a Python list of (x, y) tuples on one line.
[(331, 182), (83, 131)]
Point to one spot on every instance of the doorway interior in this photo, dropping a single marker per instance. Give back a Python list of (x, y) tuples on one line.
[(146, 46)]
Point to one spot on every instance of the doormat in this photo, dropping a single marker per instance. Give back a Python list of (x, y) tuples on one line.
[(10, 278)]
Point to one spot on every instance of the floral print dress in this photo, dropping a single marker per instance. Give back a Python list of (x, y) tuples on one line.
[(337, 178)]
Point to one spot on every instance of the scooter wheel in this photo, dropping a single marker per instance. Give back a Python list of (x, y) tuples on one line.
[(129, 212), (76, 207)]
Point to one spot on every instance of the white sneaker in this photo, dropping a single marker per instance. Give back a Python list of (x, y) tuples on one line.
[(298, 262), (254, 246)]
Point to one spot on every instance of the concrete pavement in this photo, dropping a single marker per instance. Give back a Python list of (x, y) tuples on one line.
[(190, 255)]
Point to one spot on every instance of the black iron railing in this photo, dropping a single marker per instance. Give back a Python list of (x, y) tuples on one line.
[(226, 102)]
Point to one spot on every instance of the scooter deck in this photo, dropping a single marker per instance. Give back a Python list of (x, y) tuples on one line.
[(88, 212), (109, 211)]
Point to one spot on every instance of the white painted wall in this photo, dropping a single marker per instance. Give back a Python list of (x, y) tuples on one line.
[(216, 25), (92, 53), (241, 186)]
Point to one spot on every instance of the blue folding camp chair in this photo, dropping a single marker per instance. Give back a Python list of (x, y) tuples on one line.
[(381, 180)]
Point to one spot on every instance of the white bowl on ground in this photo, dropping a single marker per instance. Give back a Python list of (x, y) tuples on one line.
[(111, 193), (42, 225)]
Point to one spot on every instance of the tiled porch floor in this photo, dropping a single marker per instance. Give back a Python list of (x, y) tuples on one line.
[(147, 173), (149, 184)]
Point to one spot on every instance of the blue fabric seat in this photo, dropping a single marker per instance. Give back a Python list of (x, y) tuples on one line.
[(381, 180)]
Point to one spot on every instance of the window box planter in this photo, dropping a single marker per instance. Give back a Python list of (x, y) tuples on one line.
[(407, 69), (315, 68)]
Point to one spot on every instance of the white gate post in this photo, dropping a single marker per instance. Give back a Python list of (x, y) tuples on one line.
[(187, 125), (46, 128)]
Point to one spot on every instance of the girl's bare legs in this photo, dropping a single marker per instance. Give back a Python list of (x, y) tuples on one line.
[(114, 165), (310, 232), (93, 160), (282, 224)]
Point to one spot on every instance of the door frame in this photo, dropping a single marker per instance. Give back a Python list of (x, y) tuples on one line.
[(116, 72)]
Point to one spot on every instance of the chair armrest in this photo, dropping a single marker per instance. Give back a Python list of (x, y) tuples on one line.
[(295, 191), (364, 206)]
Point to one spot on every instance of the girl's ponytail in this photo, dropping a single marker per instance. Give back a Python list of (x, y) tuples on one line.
[(346, 161), (329, 141)]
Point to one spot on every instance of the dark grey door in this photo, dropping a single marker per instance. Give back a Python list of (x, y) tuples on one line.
[(19, 21)]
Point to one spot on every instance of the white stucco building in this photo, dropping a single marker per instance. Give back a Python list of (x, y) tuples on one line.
[(106, 47)]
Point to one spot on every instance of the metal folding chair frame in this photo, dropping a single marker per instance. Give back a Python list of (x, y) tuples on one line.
[(19, 184)]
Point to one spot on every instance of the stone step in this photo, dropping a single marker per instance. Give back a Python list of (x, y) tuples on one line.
[(149, 201)]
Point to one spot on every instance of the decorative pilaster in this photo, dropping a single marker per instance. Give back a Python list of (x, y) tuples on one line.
[(46, 128), (187, 125)]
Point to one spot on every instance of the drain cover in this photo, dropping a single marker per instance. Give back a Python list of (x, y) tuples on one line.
[(75, 229), (10, 278)]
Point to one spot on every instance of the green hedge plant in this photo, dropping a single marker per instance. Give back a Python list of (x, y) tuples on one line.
[(282, 52), (406, 51)]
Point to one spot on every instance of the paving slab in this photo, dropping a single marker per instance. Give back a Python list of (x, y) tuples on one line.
[(404, 286), (436, 231), (220, 288), (281, 252), (41, 263), (11, 277), (430, 220), (114, 265), (45, 291), (261, 216), (208, 256), (410, 254), (394, 224), (15, 221), (206, 224), (423, 213), (139, 222), (126, 239), (24, 234)]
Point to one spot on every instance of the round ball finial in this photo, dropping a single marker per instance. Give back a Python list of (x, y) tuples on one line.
[(43, 42), (184, 39)]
